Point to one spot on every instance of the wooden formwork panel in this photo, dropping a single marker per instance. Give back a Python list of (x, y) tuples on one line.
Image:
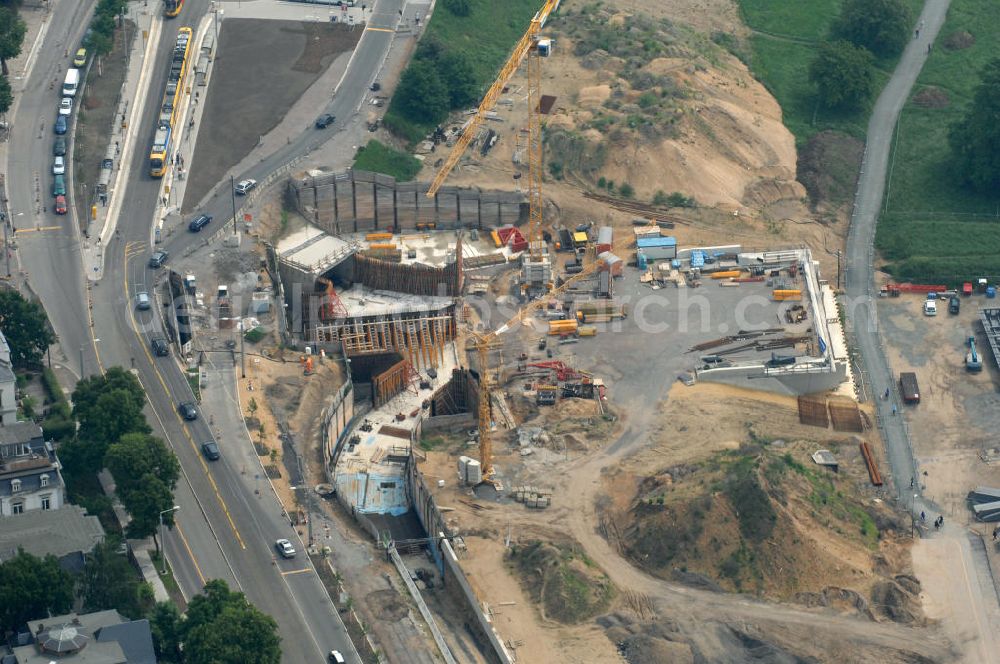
[(812, 411), (846, 416)]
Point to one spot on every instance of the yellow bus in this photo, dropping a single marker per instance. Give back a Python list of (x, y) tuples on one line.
[(172, 8)]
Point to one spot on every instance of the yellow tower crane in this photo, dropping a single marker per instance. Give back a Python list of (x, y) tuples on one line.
[(531, 46)]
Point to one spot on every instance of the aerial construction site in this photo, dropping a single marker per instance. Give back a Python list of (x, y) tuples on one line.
[(577, 427)]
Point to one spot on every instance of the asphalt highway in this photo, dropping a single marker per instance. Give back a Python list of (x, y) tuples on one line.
[(225, 528)]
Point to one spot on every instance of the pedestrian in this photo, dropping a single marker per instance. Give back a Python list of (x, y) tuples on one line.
[(911, 482), (916, 33), (893, 409), (886, 395), (923, 518), (941, 519)]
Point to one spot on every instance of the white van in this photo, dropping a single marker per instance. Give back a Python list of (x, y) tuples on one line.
[(930, 308), (71, 83)]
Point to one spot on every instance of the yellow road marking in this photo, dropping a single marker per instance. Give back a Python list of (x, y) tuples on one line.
[(296, 571), (379, 30), (38, 229), (187, 547), (187, 434)]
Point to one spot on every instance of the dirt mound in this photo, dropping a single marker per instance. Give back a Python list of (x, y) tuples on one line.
[(645, 649), (828, 168), (892, 600), (932, 97), (766, 521), (959, 40), (567, 586)]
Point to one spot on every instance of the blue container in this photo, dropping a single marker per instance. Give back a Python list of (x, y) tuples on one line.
[(676, 263), (991, 291), (641, 260)]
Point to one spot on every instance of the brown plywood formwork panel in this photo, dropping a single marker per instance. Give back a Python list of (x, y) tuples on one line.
[(812, 411), (845, 415)]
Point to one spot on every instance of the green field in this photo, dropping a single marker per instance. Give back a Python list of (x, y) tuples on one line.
[(484, 39), (933, 230), (381, 158), (783, 43)]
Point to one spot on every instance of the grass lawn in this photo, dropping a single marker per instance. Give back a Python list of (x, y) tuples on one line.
[(484, 38), (785, 35), (381, 158), (932, 229)]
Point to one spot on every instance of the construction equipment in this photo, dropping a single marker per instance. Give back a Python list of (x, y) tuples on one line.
[(331, 308), (973, 362), (536, 268), (562, 371)]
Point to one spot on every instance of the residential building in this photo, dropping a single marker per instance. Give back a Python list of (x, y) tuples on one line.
[(8, 385), (103, 637), (29, 471), (69, 534)]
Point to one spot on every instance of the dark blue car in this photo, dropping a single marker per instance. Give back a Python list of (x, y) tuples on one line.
[(61, 125)]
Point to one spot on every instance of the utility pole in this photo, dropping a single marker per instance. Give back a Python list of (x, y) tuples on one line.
[(838, 269), (6, 241), (243, 352)]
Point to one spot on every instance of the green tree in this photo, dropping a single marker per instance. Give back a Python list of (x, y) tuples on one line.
[(6, 95), (844, 75), (881, 26), (32, 588), (108, 407), (139, 454), (145, 504), (458, 76), (626, 190), (12, 31), (975, 139), (422, 95), (458, 7), (222, 627), (110, 582), (165, 623), (26, 327)]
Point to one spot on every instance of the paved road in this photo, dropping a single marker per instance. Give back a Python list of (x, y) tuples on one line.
[(860, 283), (968, 571), (48, 244), (225, 529)]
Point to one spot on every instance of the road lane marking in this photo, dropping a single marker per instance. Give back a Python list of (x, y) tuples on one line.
[(379, 30), (297, 571), (187, 547), (37, 229), (166, 390)]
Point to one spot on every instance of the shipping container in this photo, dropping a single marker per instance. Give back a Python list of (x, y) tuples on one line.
[(376, 237), (611, 263), (605, 238), (787, 294), (560, 327), (657, 248), (604, 284), (908, 386), (565, 240)]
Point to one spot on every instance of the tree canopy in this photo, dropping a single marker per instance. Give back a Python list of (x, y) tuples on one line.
[(844, 75), (32, 588), (136, 455), (110, 582), (12, 31), (975, 139), (422, 94), (881, 26), (220, 627), (25, 326), (109, 406)]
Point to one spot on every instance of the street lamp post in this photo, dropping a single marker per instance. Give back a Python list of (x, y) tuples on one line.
[(163, 551)]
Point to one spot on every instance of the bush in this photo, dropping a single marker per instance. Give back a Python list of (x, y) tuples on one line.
[(53, 390), (881, 26), (626, 190), (458, 7), (844, 75), (381, 158)]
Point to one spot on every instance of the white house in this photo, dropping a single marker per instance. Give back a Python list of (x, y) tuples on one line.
[(29, 471)]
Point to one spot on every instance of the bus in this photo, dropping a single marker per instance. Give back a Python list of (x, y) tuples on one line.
[(159, 154), (172, 8)]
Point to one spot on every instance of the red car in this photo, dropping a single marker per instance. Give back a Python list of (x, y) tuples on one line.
[(60, 205)]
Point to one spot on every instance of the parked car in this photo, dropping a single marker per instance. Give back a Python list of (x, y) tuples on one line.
[(58, 166), (142, 301), (61, 126), (336, 658), (158, 259), (81, 57), (930, 308), (160, 347), (243, 186), (954, 305), (324, 121), (285, 548), (59, 186), (66, 106), (59, 146), (210, 450), (60, 206), (187, 410), (199, 222)]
